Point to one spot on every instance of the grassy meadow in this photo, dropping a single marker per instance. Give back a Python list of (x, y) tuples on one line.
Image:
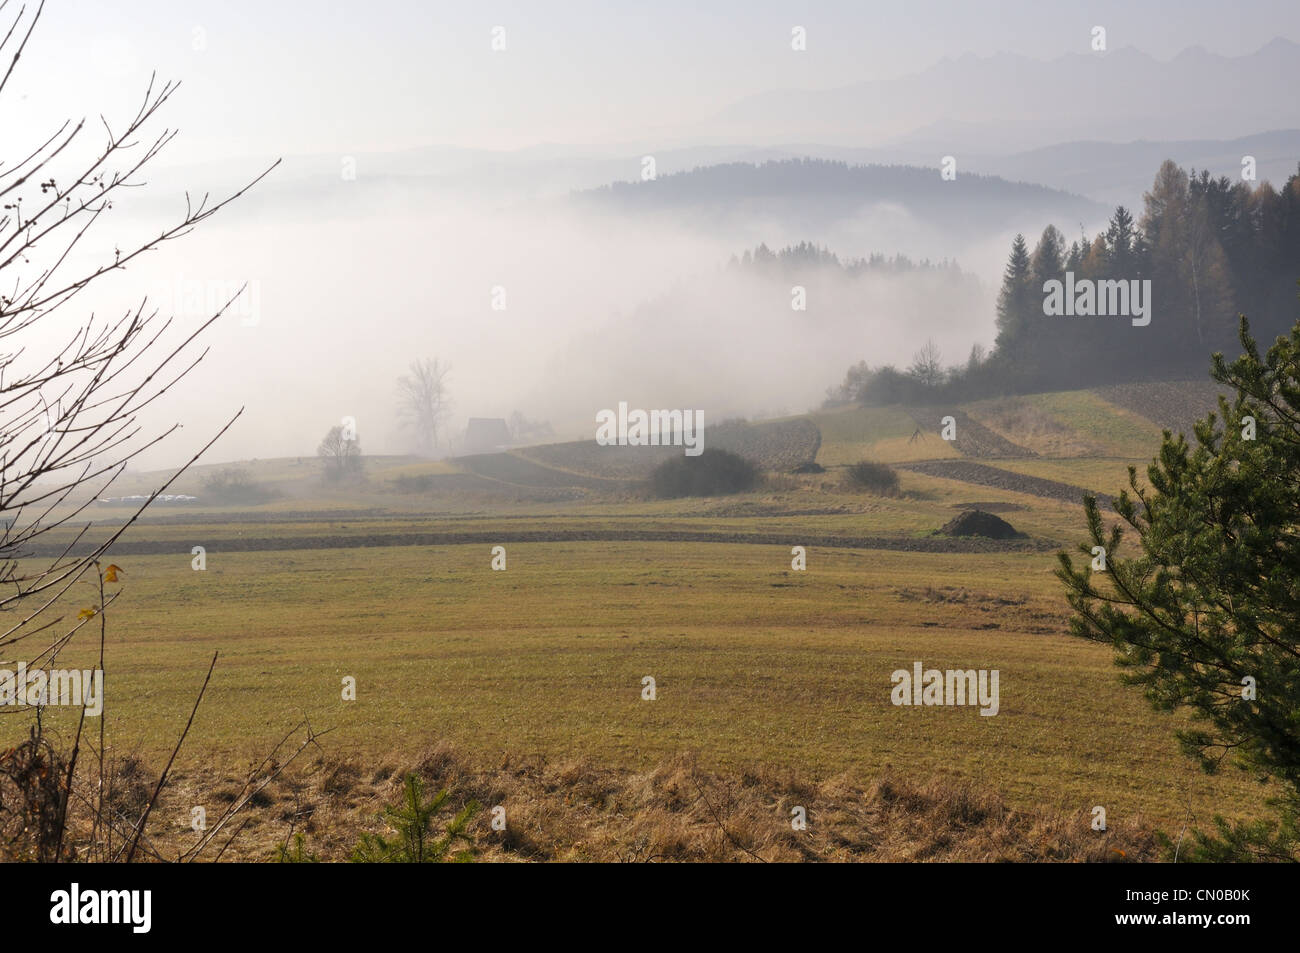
[(756, 666)]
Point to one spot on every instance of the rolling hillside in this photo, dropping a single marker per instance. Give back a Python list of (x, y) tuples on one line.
[(1050, 446)]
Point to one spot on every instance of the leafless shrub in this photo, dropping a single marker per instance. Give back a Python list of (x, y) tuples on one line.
[(69, 424)]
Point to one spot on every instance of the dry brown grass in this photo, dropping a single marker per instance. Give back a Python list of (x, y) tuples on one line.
[(1029, 426), (676, 812)]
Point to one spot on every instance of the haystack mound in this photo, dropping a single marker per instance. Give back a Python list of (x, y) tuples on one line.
[(979, 523)]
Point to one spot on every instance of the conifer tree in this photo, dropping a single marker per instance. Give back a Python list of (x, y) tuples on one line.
[(1014, 300), (1202, 607)]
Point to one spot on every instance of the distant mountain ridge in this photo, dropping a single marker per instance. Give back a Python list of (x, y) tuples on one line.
[(1110, 172), (1117, 173), (1121, 94)]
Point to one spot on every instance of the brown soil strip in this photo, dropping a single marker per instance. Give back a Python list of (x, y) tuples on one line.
[(973, 438), (983, 475), (923, 544)]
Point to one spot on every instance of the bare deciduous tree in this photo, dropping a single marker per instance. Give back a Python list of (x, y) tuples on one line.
[(926, 365), (424, 401), (522, 429), (341, 453), (69, 409)]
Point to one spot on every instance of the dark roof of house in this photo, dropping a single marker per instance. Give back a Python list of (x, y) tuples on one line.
[(487, 432)]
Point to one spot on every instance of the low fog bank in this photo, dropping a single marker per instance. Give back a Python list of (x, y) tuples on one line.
[(731, 343), (592, 308)]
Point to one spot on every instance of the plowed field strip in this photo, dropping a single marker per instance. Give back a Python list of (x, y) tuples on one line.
[(982, 474)]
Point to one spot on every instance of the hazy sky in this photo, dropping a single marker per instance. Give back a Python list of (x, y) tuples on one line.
[(350, 290), (282, 78)]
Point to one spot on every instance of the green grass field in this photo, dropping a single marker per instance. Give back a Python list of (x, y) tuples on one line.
[(754, 664)]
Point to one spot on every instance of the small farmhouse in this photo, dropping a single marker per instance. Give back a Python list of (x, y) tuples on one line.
[(486, 434)]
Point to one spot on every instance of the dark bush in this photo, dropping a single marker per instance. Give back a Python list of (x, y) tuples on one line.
[(873, 477), (712, 473), (234, 485)]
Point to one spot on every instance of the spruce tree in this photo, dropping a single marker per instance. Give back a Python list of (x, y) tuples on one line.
[(1014, 300)]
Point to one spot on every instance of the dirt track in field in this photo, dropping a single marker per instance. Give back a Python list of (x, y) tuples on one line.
[(973, 439), (981, 474), (914, 544)]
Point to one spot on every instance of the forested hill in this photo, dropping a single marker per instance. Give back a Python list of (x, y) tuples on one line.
[(1212, 249), (799, 258), (1201, 252), (837, 190)]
